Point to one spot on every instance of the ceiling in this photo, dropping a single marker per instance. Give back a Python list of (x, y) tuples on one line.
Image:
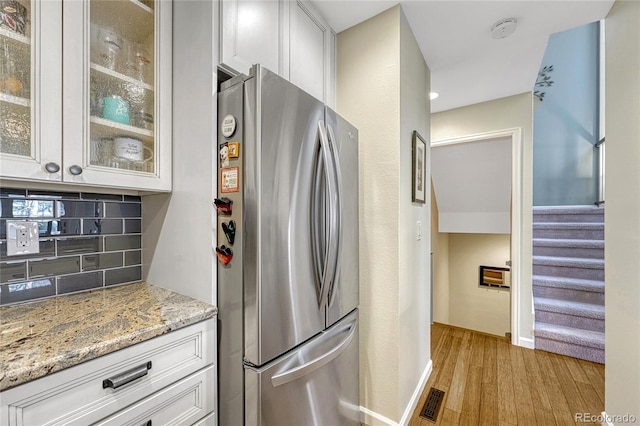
[(467, 65)]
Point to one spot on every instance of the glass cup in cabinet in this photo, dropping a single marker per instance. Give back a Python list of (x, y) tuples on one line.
[(106, 48), (139, 64)]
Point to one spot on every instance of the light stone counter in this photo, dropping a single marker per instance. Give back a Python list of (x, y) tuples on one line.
[(43, 337)]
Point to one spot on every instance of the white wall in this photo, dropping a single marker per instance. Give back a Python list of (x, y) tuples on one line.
[(382, 88), (414, 263), (179, 228), (506, 113), (440, 249), (472, 181), (369, 97), (622, 210), (471, 306)]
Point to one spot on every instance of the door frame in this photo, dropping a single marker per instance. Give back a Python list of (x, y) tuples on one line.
[(515, 134)]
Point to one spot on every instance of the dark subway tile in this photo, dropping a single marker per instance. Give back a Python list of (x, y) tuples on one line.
[(93, 196), (92, 262), (13, 192), (133, 198), (59, 227), (26, 290), (80, 282), (78, 209), (132, 257), (122, 242), (50, 267), (101, 226), (12, 271), (47, 249), (21, 208), (132, 226), (68, 246), (122, 210), (36, 193), (124, 275)]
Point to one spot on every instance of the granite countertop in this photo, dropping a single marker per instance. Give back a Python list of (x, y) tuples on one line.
[(43, 337)]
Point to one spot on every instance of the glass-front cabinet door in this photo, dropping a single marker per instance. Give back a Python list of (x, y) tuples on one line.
[(85, 92), (30, 89), (117, 93)]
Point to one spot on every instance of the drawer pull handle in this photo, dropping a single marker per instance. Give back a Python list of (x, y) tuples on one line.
[(126, 377)]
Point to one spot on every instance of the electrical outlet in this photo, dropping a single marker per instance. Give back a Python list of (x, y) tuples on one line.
[(22, 237), (418, 230)]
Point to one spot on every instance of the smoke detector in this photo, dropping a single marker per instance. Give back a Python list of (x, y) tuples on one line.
[(504, 28)]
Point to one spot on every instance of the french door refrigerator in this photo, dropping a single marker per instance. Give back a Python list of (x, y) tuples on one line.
[(287, 207)]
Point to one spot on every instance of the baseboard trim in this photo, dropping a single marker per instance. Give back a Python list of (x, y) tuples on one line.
[(372, 418), (526, 342), (413, 402)]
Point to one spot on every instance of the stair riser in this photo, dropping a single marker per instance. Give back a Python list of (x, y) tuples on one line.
[(568, 294), (576, 351), (572, 234), (586, 253), (573, 321), (568, 218), (569, 272)]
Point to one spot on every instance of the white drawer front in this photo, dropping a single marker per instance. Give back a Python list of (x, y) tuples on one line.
[(210, 420), (76, 396), (182, 403)]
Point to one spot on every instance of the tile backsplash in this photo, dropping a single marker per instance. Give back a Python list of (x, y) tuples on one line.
[(87, 241)]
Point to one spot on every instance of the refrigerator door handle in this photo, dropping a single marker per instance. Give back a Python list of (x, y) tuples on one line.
[(314, 364), (338, 212), (328, 234), (333, 213), (318, 243)]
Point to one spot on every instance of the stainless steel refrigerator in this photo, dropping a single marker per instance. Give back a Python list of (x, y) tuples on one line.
[(288, 297)]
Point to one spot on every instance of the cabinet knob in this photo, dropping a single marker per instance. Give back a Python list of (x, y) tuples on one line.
[(75, 170), (52, 167)]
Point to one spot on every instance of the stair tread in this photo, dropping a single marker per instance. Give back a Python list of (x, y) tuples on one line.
[(568, 225), (583, 284), (578, 262), (566, 242), (583, 309), (586, 209), (577, 336)]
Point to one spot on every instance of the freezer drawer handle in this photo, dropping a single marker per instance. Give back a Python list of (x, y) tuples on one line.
[(127, 377), (304, 369)]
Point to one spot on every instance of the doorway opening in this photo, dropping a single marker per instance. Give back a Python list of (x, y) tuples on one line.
[(477, 191)]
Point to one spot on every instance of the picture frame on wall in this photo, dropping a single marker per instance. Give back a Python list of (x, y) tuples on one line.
[(419, 169)]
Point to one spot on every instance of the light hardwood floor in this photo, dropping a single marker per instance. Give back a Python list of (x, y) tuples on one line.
[(489, 382)]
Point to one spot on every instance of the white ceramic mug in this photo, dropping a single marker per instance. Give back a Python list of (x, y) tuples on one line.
[(131, 149)]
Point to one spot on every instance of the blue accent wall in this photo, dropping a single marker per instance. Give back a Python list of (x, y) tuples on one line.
[(566, 121)]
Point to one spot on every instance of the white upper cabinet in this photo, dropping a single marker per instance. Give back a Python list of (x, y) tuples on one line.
[(250, 33), (311, 52), (31, 90), (100, 108), (286, 36)]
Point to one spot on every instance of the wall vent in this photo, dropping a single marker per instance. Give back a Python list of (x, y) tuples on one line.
[(495, 277)]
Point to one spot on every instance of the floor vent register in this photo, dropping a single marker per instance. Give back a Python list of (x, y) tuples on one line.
[(432, 405)]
